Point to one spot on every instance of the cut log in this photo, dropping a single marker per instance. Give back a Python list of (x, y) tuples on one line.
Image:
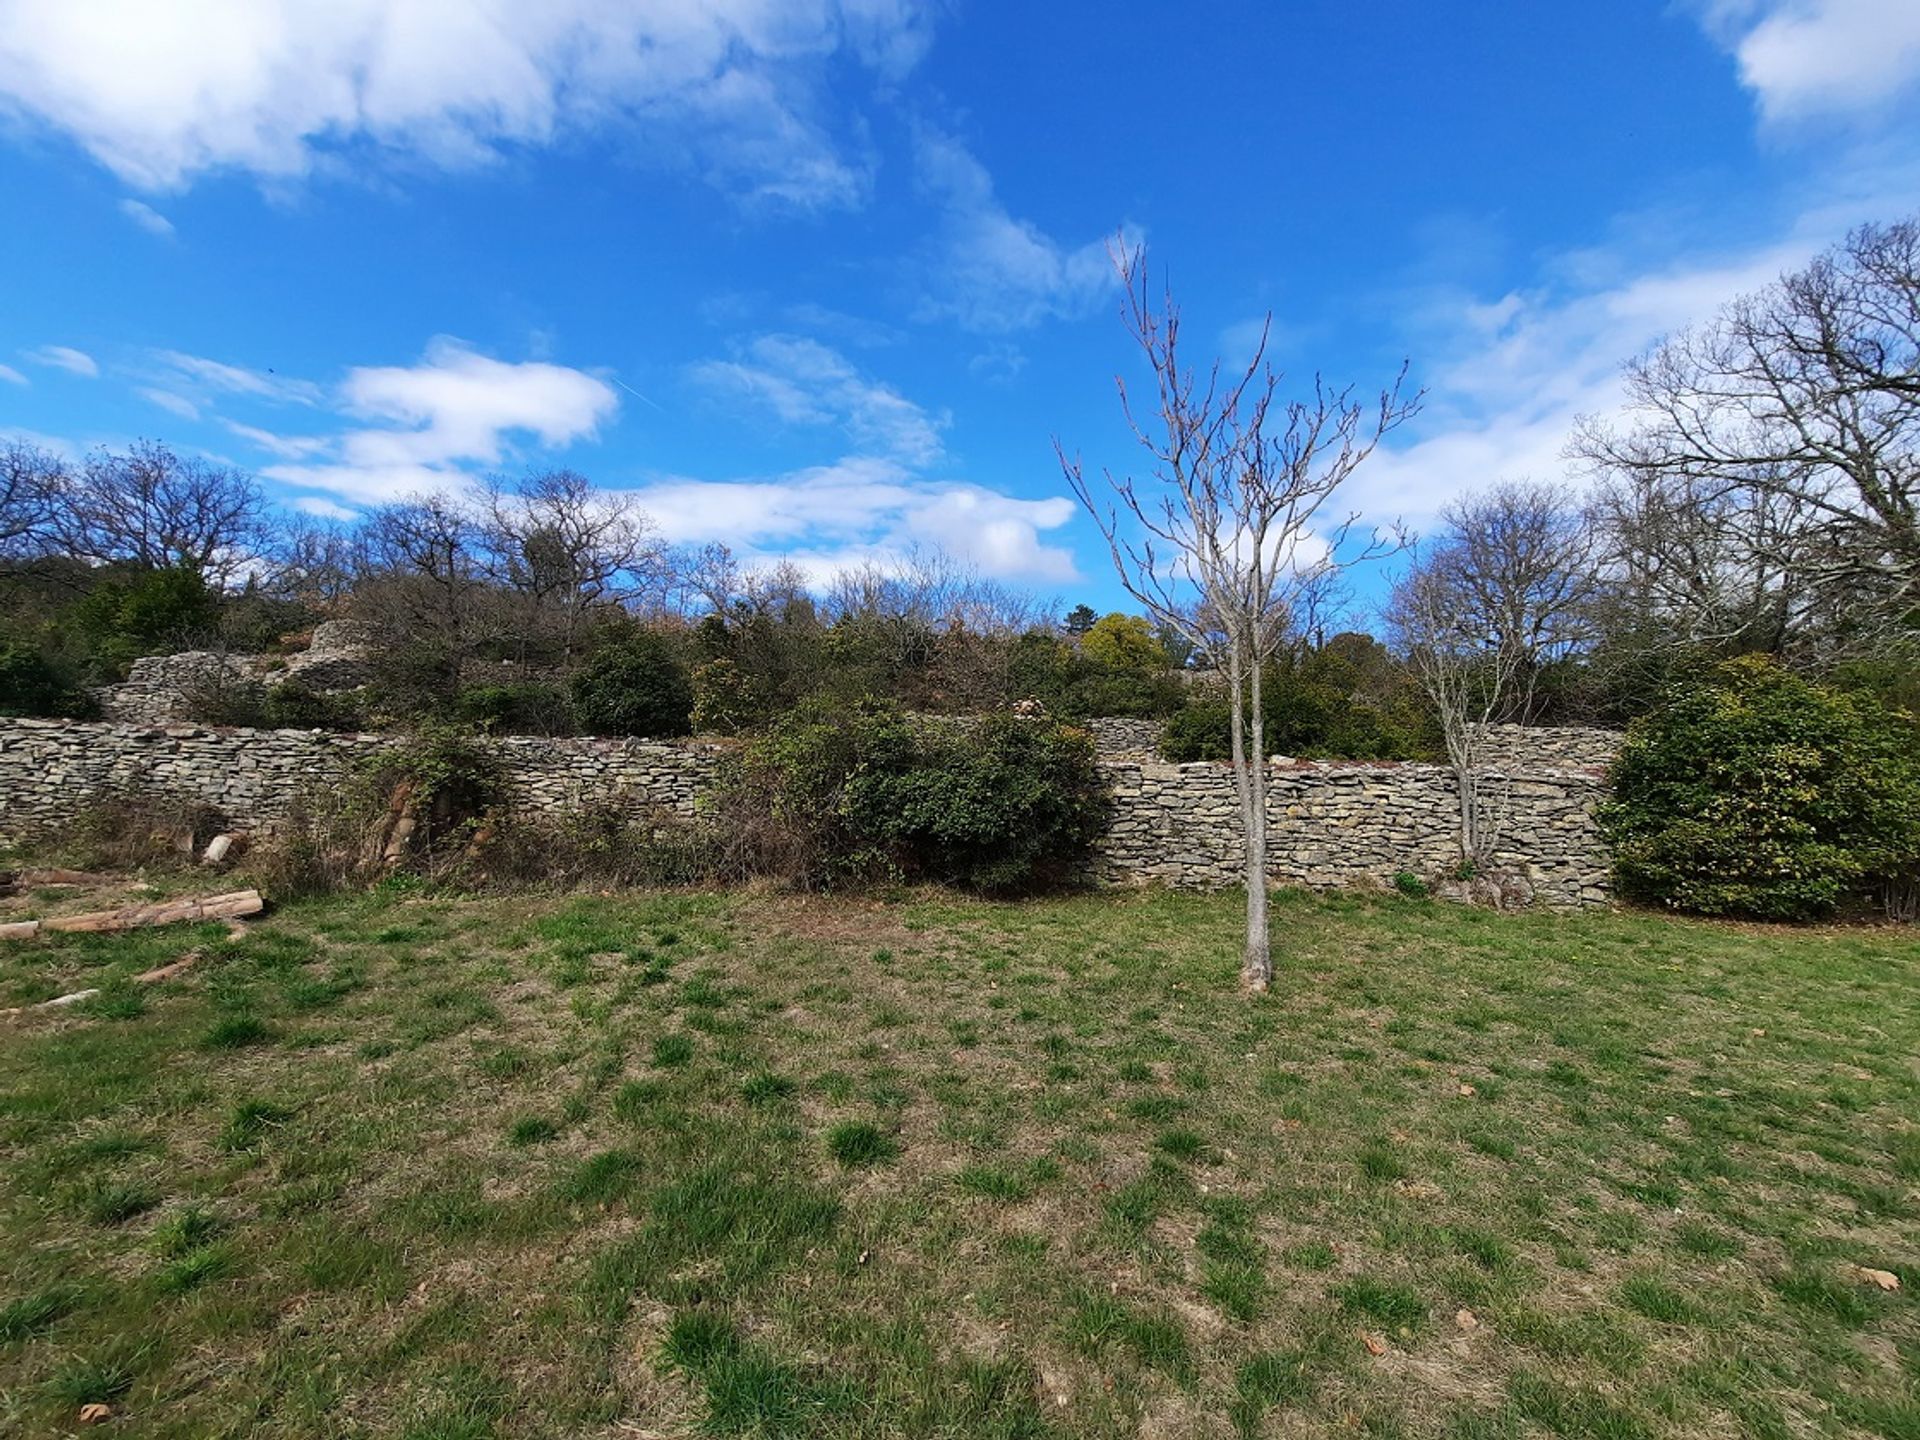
[(133, 917), (58, 876), (167, 972)]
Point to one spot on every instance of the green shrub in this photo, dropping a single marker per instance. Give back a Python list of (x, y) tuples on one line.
[(521, 707), (33, 683), (1755, 792), (725, 698), (151, 612), (1346, 700), (634, 683), (1003, 805)]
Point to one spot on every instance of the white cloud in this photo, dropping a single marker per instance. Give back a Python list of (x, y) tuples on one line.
[(1808, 57), (167, 400), (1516, 371), (65, 357), (802, 382), (864, 507), (146, 217), (735, 90), (879, 504), (11, 375), (323, 509), (423, 424), (287, 447), (992, 272), (221, 378)]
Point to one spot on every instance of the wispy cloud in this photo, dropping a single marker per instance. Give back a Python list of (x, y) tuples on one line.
[(65, 357), (219, 378), (11, 375), (168, 401), (801, 382), (990, 271), (1803, 58), (733, 90), (146, 217), (1509, 374), (322, 508)]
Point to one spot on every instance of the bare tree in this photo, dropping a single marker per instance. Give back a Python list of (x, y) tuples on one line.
[(422, 591), (1231, 527), (149, 507), (33, 484), (1690, 569), (1793, 421), (1504, 591), (566, 550), (312, 562)]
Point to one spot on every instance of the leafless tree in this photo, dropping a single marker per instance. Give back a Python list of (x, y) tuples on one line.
[(1690, 570), (150, 507), (1231, 526), (422, 591), (565, 550), (313, 562), (1791, 424), (1504, 590), (33, 483)]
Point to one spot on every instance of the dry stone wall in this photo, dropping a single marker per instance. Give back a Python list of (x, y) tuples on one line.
[(1333, 824), (1525, 748), (50, 770), (1118, 738)]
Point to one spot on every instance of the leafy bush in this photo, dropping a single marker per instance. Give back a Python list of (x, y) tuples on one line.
[(33, 683), (634, 683), (521, 707), (1346, 700), (1071, 683), (1758, 793), (222, 698), (151, 612), (725, 698), (1001, 806)]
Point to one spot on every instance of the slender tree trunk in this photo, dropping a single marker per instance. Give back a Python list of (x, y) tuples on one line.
[(1256, 968)]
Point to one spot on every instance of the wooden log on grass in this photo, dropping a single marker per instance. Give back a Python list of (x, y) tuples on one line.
[(231, 906)]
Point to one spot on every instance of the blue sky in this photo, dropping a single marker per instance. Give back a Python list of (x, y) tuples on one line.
[(824, 279)]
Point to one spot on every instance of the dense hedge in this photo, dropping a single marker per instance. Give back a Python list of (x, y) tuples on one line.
[(1002, 806), (1755, 792)]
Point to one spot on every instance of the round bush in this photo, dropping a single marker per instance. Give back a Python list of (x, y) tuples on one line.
[(634, 684), (1758, 793), (1001, 806)]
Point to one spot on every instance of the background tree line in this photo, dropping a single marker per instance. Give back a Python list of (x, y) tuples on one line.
[(1756, 502)]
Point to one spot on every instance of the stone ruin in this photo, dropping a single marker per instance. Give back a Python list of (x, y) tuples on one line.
[(160, 689)]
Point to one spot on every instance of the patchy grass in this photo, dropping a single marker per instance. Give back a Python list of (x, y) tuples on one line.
[(685, 1164)]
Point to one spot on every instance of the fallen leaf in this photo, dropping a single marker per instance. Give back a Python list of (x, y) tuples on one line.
[(1466, 1089), (1885, 1279), (95, 1413), (1466, 1320), (1375, 1345)]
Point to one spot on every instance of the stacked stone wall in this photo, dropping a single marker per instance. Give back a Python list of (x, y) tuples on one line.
[(51, 770), (1333, 824), (1338, 824)]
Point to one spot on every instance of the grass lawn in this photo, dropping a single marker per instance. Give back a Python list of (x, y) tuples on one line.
[(681, 1164)]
